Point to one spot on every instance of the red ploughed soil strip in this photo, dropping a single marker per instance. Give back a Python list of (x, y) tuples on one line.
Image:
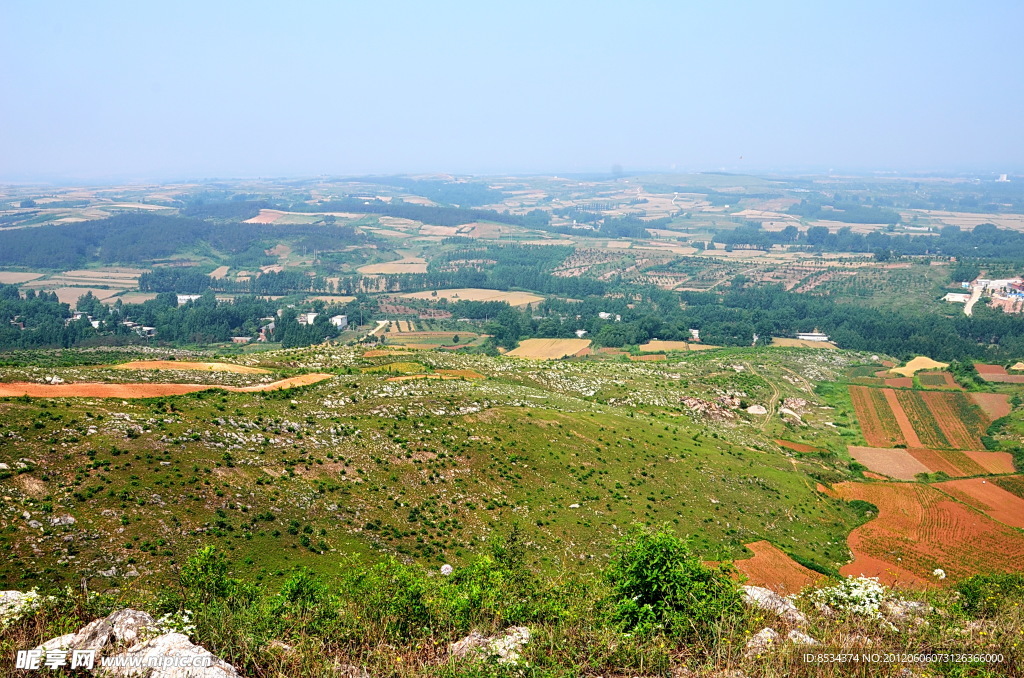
[(773, 569), (988, 497), (985, 370), (919, 528), (906, 427), (900, 382), (799, 447)]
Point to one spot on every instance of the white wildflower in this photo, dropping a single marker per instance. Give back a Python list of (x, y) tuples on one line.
[(447, 569), (860, 595), (940, 573)]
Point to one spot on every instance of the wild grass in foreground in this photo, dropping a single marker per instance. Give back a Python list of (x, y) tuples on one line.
[(655, 610)]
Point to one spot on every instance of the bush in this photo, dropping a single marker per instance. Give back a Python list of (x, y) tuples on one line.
[(658, 583), (983, 595)]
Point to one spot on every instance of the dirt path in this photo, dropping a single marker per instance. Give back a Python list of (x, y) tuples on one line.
[(975, 295), (184, 365)]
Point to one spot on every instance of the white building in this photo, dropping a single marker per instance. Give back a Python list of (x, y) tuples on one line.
[(306, 318), (185, 298), (339, 321), (812, 336)]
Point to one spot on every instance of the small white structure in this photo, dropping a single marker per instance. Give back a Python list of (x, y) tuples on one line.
[(812, 336), (957, 298), (1002, 179), (185, 298), (695, 335), (306, 318), (580, 333), (339, 321)]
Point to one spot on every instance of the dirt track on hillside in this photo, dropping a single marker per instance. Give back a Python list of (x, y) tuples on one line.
[(108, 390)]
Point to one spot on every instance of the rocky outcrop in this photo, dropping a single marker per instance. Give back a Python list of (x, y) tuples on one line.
[(153, 659), (505, 648), (769, 601)]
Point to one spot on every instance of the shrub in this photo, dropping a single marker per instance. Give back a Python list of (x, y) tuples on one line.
[(983, 595), (860, 595), (658, 583)]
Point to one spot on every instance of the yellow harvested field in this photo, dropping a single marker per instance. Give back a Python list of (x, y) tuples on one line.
[(549, 349), (13, 278), (405, 265), (132, 298), (185, 365), (661, 346), (917, 364), (333, 298), (1017, 366), (801, 343), (126, 273), (475, 294), (70, 295), (219, 273)]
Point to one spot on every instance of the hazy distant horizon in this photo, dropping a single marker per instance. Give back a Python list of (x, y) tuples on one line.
[(117, 93)]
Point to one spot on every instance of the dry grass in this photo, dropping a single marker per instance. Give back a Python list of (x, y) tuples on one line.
[(219, 273), (658, 346), (407, 264), (14, 278), (801, 343)]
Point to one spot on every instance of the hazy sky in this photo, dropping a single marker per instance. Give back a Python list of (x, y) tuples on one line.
[(172, 90)]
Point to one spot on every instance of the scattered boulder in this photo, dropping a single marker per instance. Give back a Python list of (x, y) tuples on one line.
[(130, 625), (62, 520), (505, 648), (761, 641), (905, 611), (159, 651), (708, 409), (757, 409), (349, 671), (770, 601), (800, 638), (785, 413)]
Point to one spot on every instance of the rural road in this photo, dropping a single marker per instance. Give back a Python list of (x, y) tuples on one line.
[(975, 295)]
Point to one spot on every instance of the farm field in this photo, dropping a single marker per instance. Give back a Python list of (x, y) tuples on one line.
[(140, 390), (917, 364), (772, 568), (938, 380), (998, 374), (918, 419), (895, 463), (131, 298), (186, 365), (919, 529), (70, 295), (801, 343), (993, 405), (16, 278), (475, 294), (877, 420), (988, 497), (219, 273), (407, 264), (662, 346), (549, 349)]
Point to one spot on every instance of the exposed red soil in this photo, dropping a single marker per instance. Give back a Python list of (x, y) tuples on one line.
[(945, 407), (798, 447), (900, 382), (876, 419), (906, 427), (773, 569), (893, 462), (107, 390), (994, 370), (986, 496), (874, 476), (994, 405), (993, 462), (951, 462), (918, 529)]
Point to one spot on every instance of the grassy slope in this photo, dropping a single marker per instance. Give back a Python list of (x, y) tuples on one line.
[(428, 469)]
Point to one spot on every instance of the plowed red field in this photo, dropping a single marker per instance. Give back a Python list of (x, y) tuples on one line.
[(951, 462), (993, 462), (994, 405), (773, 569), (895, 463), (960, 420), (876, 418), (986, 496), (107, 390), (918, 529)]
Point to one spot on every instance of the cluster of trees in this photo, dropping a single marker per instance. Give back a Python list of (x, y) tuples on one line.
[(191, 280), (38, 320), (734, 317), (232, 210), (141, 237), (427, 214), (846, 212), (984, 241), (460, 193)]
